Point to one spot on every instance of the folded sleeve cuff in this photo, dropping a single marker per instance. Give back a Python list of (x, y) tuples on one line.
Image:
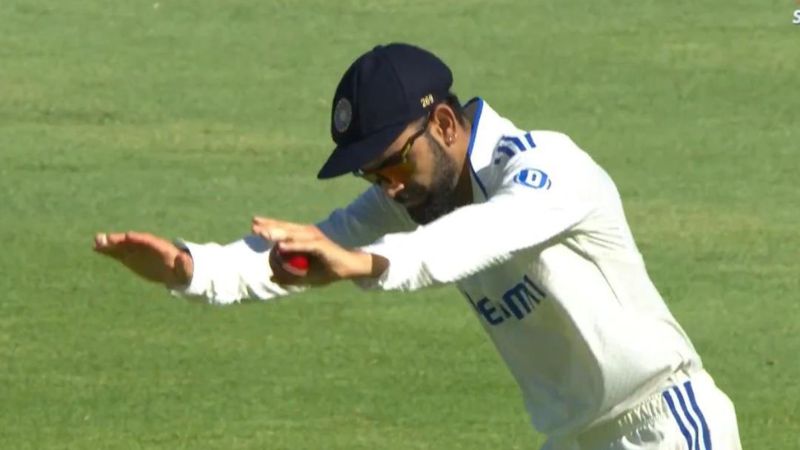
[(405, 271), (201, 273)]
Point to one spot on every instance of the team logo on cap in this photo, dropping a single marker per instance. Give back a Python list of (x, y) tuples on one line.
[(342, 115)]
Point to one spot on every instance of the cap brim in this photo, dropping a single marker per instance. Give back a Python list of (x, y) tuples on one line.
[(347, 158)]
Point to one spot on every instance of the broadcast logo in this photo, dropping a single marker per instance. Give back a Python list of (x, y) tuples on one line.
[(796, 19)]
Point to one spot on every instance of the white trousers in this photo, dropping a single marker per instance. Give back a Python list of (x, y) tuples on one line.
[(691, 414)]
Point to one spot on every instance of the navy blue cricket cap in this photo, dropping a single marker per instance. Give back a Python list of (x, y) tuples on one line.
[(382, 92)]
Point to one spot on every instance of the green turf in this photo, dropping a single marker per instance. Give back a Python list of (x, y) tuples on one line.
[(187, 117)]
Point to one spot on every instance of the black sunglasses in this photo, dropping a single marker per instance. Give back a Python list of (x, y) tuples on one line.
[(396, 166)]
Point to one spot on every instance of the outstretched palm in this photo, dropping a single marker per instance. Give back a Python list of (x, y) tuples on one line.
[(152, 258)]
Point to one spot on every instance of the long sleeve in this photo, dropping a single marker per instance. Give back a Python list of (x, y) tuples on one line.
[(229, 273), (536, 199), (225, 274)]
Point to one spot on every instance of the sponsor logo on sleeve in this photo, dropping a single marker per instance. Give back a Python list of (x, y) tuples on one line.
[(533, 178)]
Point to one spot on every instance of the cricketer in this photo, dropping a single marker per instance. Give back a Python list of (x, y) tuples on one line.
[(525, 224)]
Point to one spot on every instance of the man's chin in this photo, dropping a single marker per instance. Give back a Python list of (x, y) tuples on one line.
[(426, 213), (408, 205)]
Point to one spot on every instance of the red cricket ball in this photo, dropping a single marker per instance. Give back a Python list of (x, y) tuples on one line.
[(294, 262)]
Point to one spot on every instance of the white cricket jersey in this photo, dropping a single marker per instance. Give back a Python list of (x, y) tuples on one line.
[(544, 257)]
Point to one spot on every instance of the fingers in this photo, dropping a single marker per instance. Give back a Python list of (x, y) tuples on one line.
[(270, 233), (279, 231), (108, 242), (258, 220), (274, 223), (267, 228), (117, 244), (288, 280), (283, 273), (151, 241), (300, 246), (108, 239), (100, 240), (135, 237)]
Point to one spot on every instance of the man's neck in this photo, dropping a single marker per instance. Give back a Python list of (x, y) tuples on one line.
[(464, 195)]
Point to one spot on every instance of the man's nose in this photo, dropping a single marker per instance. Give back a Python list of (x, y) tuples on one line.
[(392, 188)]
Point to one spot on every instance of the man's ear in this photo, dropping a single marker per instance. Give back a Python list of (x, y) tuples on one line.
[(444, 123)]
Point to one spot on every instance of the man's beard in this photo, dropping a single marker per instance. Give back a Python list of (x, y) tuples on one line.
[(440, 198)]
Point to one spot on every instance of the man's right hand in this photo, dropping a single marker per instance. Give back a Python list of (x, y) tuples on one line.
[(151, 257)]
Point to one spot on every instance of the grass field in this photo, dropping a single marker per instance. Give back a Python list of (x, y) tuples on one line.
[(187, 117)]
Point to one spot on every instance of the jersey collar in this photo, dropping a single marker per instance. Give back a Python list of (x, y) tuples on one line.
[(488, 128)]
